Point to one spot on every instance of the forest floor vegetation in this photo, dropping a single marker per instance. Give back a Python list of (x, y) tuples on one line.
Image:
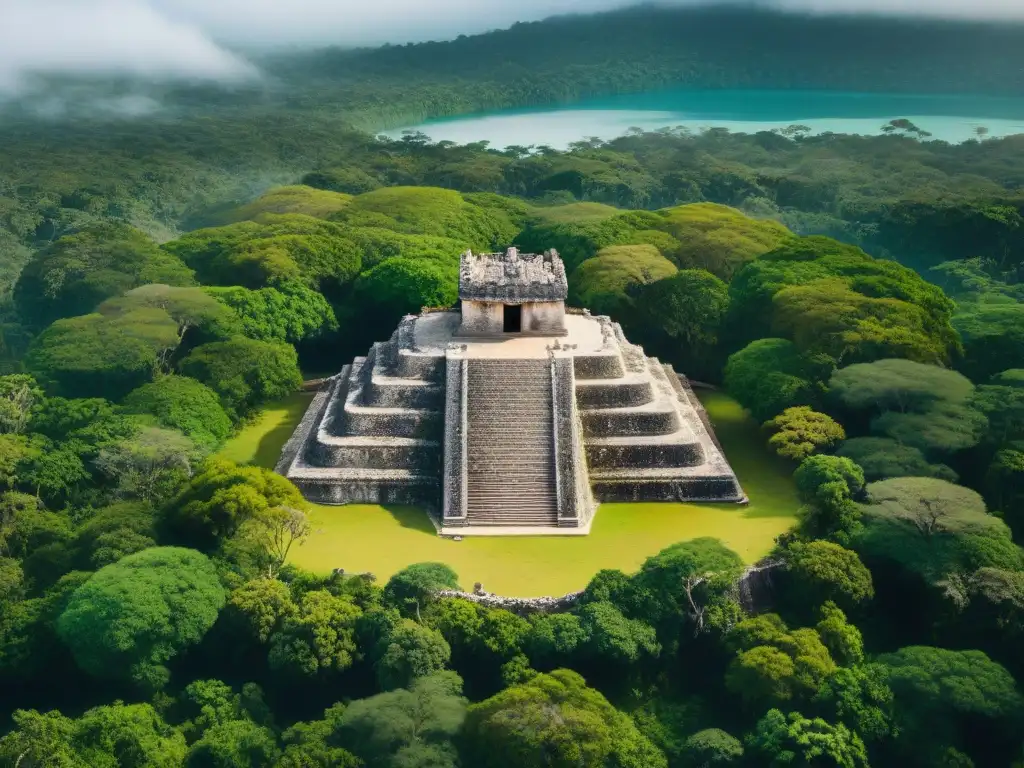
[(383, 540)]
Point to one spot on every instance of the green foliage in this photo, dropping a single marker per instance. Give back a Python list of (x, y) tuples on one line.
[(860, 698), (712, 747), (682, 314), (298, 198), (115, 531), (801, 431), (949, 693), (407, 727), (577, 235), (922, 406), (898, 385), (932, 528), (883, 457), (1004, 487), (942, 429), (273, 250), (774, 664), (1002, 403), (133, 616), (102, 355), (829, 317), (828, 480), (259, 607), (719, 239), (821, 570), (58, 417), (843, 640), (400, 286), (769, 375), (613, 640), (834, 299), (223, 496), (318, 638), (993, 336), (150, 465), (686, 585), (289, 313), (199, 317), (602, 283), (828, 485), (413, 587), (794, 740), (313, 745), (183, 404), (378, 244), (245, 373), (234, 743), (410, 651), (553, 639), (19, 394), (116, 736), (476, 222), (76, 272), (554, 720)]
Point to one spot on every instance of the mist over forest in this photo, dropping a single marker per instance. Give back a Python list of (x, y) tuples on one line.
[(201, 222)]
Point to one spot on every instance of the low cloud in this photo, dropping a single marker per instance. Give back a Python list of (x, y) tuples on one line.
[(201, 39), (102, 37), (992, 10)]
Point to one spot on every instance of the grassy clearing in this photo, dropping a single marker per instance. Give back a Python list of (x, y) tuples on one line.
[(383, 540)]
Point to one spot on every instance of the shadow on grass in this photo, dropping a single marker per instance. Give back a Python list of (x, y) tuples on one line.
[(268, 451), (766, 477), (411, 517)]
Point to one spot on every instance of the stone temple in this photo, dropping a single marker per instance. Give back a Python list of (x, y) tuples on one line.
[(507, 414)]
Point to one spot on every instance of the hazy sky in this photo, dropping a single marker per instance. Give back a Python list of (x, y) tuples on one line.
[(192, 38)]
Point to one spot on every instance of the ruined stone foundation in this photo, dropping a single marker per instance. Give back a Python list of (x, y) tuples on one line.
[(521, 433)]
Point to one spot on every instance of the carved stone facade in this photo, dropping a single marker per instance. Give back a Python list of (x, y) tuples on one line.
[(523, 430)]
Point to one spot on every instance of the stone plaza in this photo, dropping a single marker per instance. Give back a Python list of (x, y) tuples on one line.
[(508, 414)]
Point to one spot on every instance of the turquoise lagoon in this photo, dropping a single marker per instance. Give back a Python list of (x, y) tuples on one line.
[(952, 118)]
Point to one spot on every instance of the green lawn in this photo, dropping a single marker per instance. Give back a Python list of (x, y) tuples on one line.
[(384, 539)]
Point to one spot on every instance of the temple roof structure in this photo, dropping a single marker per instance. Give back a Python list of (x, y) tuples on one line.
[(512, 277)]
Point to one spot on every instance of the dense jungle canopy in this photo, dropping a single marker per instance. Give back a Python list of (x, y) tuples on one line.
[(162, 279)]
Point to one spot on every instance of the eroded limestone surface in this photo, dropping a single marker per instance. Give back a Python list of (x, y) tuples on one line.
[(522, 431), (394, 427)]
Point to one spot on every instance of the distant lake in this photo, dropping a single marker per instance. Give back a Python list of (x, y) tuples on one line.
[(952, 118)]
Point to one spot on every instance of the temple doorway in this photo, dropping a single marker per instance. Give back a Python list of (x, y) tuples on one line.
[(513, 318)]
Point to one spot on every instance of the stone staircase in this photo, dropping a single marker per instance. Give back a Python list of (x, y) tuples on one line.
[(511, 454)]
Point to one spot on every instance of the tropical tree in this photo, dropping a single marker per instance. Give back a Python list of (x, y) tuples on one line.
[(221, 497), (76, 272), (602, 283), (801, 431), (131, 617), (932, 528), (795, 740), (185, 405), (555, 719), (103, 355), (290, 312), (769, 375), (406, 727), (318, 638), (244, 373), (410, 651)]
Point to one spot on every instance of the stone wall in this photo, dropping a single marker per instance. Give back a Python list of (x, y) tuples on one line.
[(753, 589), (310, 422), (521, 606), (456, 431), (544, 317), (482, 318), (575, 505)]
